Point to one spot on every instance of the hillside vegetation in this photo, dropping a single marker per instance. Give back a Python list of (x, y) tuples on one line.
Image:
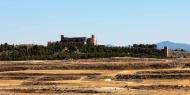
[(61, 51)]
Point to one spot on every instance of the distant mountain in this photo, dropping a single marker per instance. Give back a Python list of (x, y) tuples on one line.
[(173, 45)]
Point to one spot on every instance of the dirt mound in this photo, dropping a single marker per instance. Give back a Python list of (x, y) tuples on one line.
[(53, 90), (170, 74), (93, 66), (159, 87), (44, 77)]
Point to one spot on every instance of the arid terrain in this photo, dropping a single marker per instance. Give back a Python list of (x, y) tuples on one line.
[(111, 76)]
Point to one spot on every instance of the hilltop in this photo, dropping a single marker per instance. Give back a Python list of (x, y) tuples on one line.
[(173, 45)]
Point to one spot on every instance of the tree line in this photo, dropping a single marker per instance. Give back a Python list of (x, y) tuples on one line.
[(59, 51)]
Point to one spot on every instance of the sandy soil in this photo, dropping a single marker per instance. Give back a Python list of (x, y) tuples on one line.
[(63, 77)]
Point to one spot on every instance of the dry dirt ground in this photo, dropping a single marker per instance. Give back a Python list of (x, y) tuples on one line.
[(112, 76)]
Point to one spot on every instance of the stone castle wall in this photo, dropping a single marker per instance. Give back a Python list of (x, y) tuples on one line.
[(76, 40)]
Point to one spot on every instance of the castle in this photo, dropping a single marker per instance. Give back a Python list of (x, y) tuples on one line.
[(76, 40)]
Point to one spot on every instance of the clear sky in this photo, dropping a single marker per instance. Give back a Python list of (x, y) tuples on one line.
[(117, 22)]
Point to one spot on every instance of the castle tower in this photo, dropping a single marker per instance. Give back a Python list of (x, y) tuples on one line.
[(166, 51), (62, 37), (94, 42), (85, 40)]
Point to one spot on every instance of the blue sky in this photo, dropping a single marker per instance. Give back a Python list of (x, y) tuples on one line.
[(117, 22)]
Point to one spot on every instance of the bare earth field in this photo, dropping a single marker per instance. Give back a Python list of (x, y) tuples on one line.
[(112, 76)]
